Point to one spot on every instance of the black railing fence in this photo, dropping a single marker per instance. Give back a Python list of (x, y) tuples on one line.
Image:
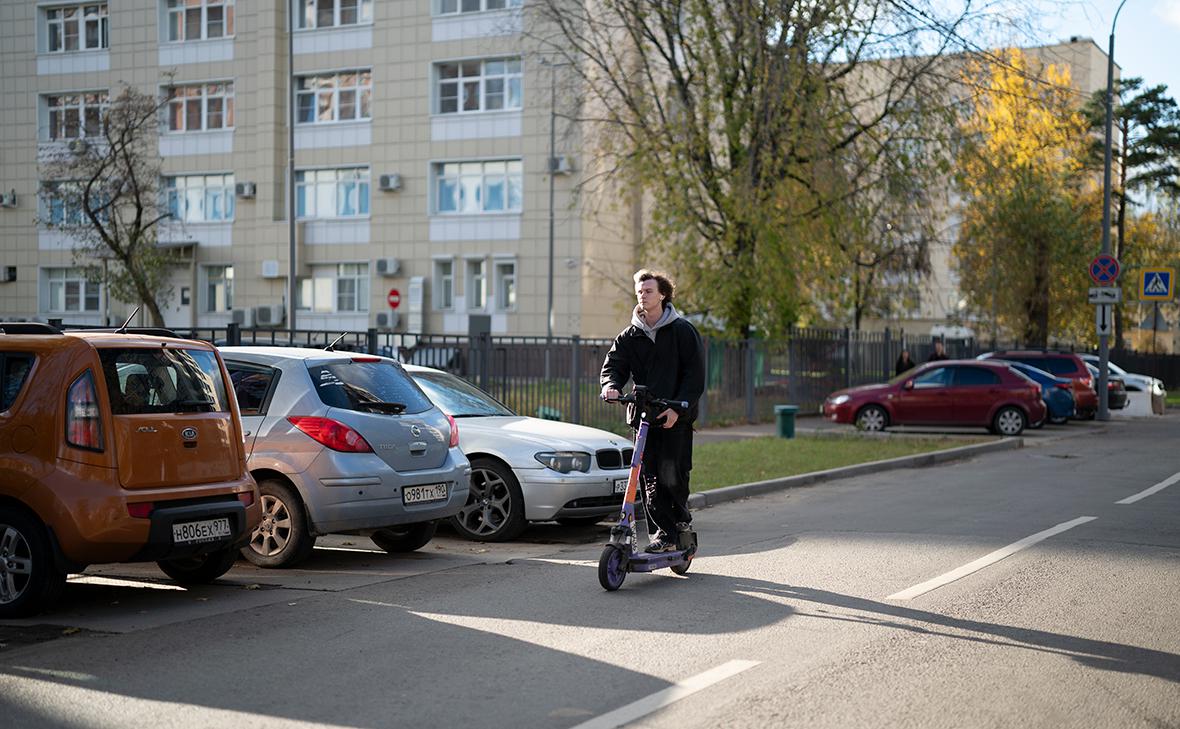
[(557, 378)]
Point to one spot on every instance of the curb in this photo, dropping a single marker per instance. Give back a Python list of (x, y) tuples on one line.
[(704, 499)]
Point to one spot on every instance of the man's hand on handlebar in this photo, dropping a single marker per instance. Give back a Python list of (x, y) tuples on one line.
[(670, 417), (610, 394)]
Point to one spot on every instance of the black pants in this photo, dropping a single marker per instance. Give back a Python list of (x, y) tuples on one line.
[(667, 461)]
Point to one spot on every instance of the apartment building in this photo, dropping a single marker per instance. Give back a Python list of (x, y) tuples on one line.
[(422, 165)]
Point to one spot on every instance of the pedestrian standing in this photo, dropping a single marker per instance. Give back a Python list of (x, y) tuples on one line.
[(938, 354), (904, 363)]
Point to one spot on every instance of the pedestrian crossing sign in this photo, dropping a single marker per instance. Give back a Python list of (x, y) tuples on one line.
[(1157, 284)]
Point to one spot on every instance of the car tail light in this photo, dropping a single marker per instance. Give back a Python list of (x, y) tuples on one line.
[(247, 498), (83, 422), (454, 432), (1087, 382), (141, 510), (1065, 385), (331, 433)]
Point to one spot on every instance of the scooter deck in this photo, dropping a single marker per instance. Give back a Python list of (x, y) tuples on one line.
[(652, 561)]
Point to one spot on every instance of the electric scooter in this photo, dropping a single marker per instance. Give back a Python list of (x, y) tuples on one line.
[(624, 552)]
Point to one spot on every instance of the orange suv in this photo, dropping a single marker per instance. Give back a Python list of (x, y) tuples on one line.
[(115, 447)]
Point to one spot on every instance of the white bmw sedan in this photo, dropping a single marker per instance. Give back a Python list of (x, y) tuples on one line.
[(526, 469)]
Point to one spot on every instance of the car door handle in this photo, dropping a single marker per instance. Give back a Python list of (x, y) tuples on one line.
[(247, 434), (417, 448)]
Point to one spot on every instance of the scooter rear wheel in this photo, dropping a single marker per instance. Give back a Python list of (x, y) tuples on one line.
[(681, 569), (611, 568)]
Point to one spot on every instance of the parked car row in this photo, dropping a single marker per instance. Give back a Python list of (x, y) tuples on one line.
[(133, 446), (1004, 391)]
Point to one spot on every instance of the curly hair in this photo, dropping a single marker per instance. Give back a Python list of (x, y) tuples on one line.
[(664, 283)]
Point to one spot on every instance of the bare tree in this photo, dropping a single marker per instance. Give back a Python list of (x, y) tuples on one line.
[(743, 122), (103, 192)]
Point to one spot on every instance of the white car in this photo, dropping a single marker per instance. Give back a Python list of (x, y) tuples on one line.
[(526, 469), (1135, 383)]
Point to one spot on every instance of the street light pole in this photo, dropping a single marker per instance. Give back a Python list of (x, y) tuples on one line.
[(291, 252), (1104, 339), (552, 166)]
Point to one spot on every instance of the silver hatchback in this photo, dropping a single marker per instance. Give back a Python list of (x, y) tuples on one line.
[(342, 443)]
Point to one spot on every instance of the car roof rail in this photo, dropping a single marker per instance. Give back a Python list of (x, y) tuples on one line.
[(27, 327), (151, 331)]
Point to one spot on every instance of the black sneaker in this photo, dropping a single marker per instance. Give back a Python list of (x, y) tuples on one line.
[(660, 544)]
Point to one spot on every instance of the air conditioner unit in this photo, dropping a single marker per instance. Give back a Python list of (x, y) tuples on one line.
[(78, 146), (243, 317), (561, 165), (390, 183), (270, 269), (7, 274), (8, 200), (245, 189), (269, 316), (388, 266), (388, 320)]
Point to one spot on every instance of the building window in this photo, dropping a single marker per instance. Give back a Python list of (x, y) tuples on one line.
[(472, 188), (331, 13), (334, 97), (332, 193), (466, 87), (200, 107), (444, 284), (200, 198), (454, 7), (477, 287), (76, 115), (194, 20), (68, 290), (340, 288), (77, 28), (505, 285), (219, 288)]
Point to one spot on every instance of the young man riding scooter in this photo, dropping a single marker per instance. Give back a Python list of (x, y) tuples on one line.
[(662, 351)]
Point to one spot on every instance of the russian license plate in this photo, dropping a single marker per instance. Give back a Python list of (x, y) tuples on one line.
[(620, 485), (197, 532), (424, 493)]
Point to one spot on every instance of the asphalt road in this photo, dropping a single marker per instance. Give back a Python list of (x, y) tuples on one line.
[(1009, 590)]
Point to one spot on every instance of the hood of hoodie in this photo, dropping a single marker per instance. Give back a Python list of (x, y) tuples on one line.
[(670, 315)]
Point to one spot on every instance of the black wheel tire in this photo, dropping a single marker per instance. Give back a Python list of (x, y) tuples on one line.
[(199, 570), (611, 570), (494, 511), (872, 419), (282, 538), (579, 520), (1009, 422), (1058, 421), (682, 569), (29, 580), (404, 538)]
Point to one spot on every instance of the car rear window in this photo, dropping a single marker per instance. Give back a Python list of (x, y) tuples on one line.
[(166, 380), (1056, 365), (458, 397), (368, 386), (15, 370)]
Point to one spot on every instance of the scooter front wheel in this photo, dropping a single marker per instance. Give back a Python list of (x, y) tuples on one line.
[(612, 568)]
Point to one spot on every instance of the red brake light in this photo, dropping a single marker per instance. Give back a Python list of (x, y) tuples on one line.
[(1087, 381), (247, 498), (366, 359), (331, 433), (454, 432), (142, 510), (1065, 385), (83, 421)]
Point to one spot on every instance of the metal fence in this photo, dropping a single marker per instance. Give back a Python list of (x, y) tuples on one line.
[(557, 377)]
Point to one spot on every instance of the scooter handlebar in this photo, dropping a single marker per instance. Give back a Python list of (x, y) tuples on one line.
[(654, 401)]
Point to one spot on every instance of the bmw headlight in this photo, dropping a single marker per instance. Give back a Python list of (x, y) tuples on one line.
[(840, 399), (565, 461)]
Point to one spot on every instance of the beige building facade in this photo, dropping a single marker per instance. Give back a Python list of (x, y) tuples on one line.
[(421, 161)]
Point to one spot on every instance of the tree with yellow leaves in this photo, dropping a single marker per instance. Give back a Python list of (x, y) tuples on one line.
[(1028, 214)]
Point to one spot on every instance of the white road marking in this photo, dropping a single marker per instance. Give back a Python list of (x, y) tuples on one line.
[(629, 713), (1154, 489), (986, 560)]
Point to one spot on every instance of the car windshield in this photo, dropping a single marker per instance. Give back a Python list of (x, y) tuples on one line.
[(457, 397), (163, 381), (368, 386)]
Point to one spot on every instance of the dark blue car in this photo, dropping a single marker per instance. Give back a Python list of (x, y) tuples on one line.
[(1057, 392)]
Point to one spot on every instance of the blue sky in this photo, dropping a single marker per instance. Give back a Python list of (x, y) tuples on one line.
[(1146, 39)]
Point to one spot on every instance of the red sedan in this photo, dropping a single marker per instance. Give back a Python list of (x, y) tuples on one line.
[(950, 392)]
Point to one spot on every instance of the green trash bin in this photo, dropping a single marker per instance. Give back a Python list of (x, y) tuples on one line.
[(784, 416)]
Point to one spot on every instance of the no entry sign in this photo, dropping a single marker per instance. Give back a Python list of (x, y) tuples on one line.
[(394, 298)]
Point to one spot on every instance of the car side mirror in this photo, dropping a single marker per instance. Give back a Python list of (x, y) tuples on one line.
[(909, 385)]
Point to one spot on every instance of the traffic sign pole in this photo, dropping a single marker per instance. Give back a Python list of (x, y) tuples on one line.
[(1104, 270)]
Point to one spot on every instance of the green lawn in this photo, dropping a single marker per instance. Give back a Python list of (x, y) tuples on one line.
[(743, 461), (1173, 399)]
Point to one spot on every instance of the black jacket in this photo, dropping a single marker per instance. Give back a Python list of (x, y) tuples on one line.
[(672, 367)]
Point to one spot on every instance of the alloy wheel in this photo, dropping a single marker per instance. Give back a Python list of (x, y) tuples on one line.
[(489, 504), (1010, 422), (871, 419), (16, 564), (274, 531)]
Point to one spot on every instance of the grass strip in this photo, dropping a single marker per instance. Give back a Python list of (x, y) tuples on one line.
[(727, 463)]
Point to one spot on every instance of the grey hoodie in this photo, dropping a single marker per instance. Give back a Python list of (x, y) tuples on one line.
[(670, 315)]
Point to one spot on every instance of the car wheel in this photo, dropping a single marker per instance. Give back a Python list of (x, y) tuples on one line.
[(404, 538), (281, 538), (579, 520), (1009, 421), (1058, 421), (29, 580), (872, 418), (199, 570), (494, 511)]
